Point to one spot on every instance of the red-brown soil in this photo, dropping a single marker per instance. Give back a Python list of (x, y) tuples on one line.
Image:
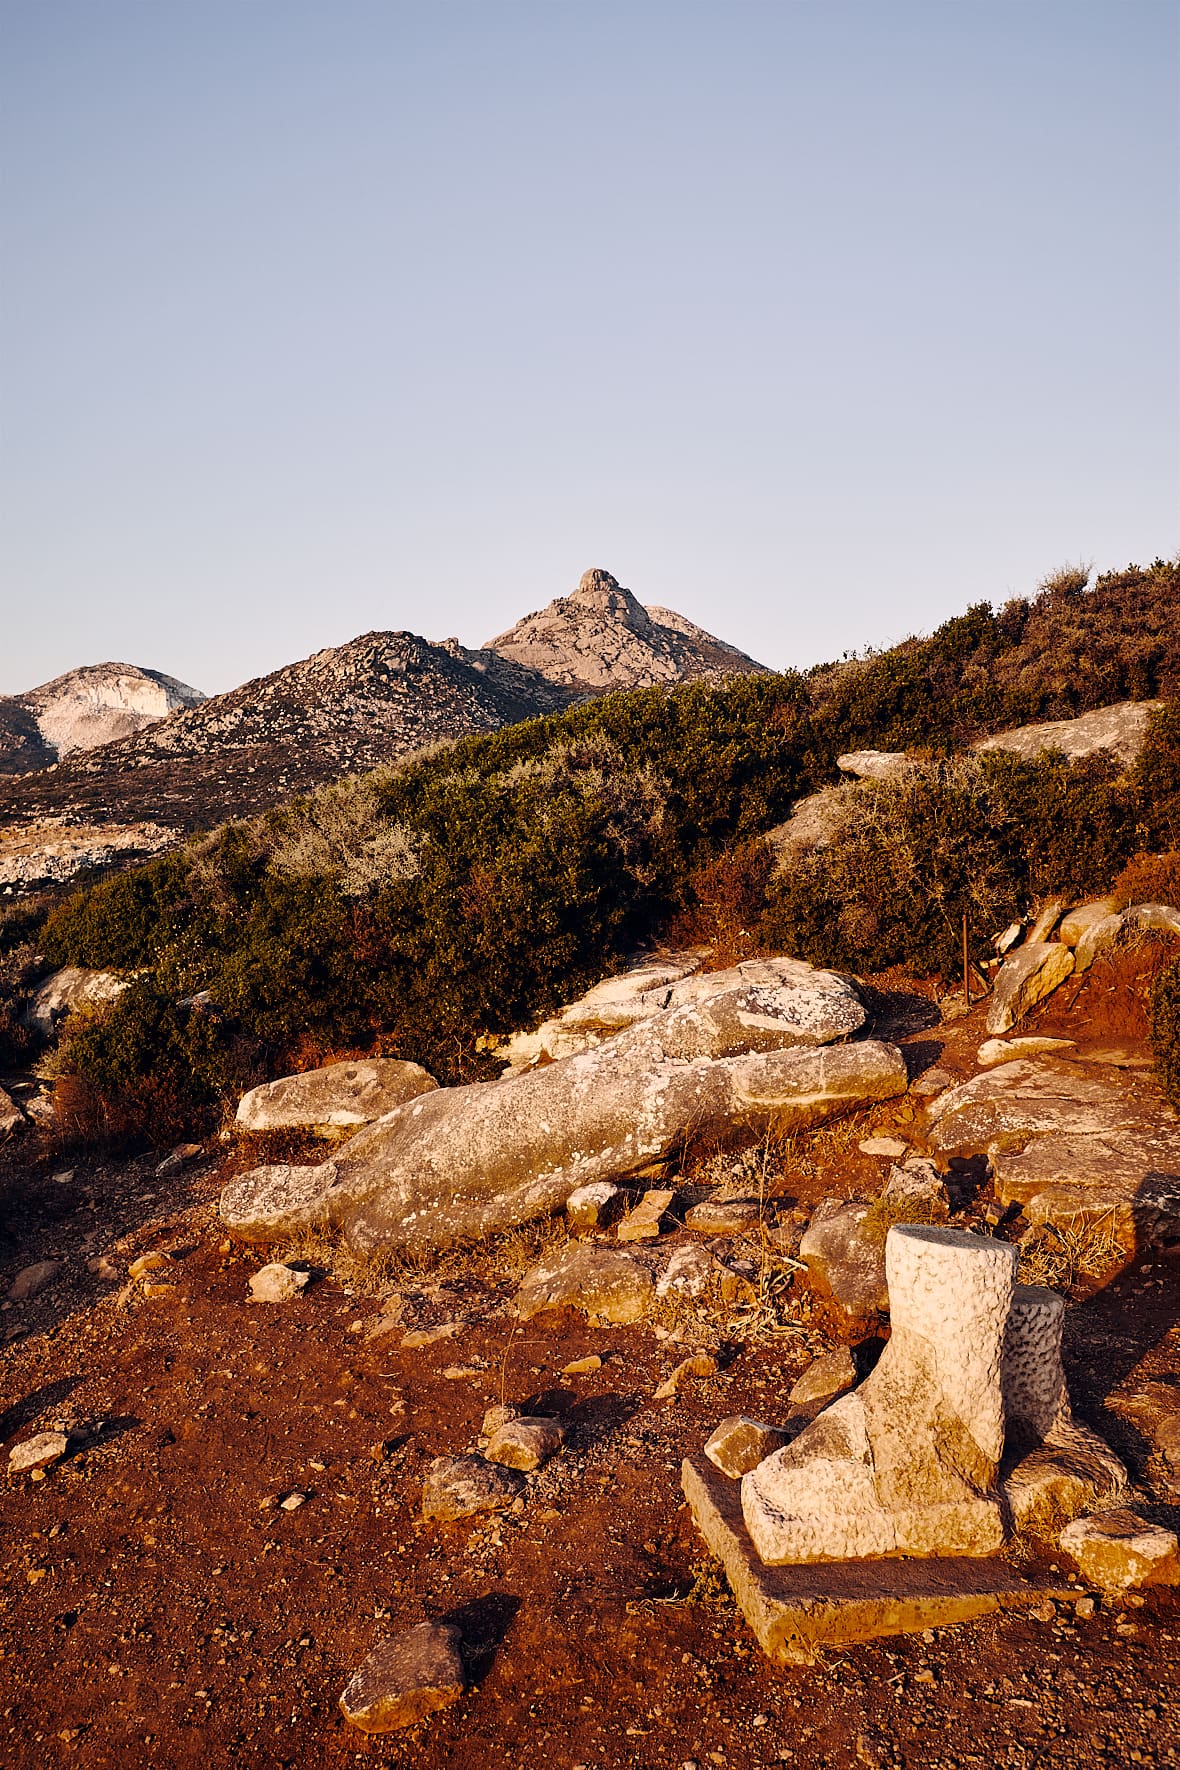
[(160, 1608)]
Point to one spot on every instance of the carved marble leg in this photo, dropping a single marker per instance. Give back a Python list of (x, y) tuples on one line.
[(907, 1463), (1056, 1467)]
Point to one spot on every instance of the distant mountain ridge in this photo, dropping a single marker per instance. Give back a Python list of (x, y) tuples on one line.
[(348, 708), (97, 704)]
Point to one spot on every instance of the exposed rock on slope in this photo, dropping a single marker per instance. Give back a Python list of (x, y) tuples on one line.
[(601, 639), (83, 709), (462, 1163), (1120, 729)]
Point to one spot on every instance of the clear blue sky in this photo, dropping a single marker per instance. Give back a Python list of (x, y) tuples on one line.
[(815, 321)]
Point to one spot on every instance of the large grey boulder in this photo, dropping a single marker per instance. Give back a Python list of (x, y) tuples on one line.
[(1120, 729), (333, 1099), (1025, 978), (66, 992), (462, 1163), (806, 1006)]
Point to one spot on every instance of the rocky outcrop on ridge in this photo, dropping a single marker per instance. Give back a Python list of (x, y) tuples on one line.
[(601, 639), (84, 709)]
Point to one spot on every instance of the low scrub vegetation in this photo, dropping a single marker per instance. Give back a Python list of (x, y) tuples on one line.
[(1165, 1030), (421, 911)]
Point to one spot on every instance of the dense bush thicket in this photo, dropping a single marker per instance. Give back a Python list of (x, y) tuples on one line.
[(1165, 1030), (420, 909), (977, 835)]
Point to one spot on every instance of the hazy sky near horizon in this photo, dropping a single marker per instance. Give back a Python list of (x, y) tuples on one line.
[(815, 320)]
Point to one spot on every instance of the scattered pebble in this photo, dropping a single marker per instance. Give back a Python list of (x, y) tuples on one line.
[(700, 1364)]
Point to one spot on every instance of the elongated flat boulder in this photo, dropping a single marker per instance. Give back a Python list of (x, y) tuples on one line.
[(795, 1612), (337, 1098), (1025, 978), (462, 1163), (1083, 916)]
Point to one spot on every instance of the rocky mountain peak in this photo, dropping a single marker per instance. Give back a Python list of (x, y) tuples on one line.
[(601, 638), (599, 591), (96, 704)]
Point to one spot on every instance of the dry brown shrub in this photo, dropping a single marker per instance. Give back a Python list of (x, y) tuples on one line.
[(1058, 1255), (1149, 878)]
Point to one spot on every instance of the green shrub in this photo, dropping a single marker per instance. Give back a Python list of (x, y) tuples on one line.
[(981, 835), (1165, 1030)]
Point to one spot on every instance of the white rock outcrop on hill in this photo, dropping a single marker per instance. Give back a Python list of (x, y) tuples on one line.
[(462, 1163), (85, 708)]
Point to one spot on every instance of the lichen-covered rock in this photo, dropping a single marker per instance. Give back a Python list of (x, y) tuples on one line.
[(726, 1216), (68, 990), (405, 1679), (1093, 939), (39, 1452), (1118, 1550), (761, 1004), (874, 765), (1120, 728), (1025, 978), (277, 1283), (11, 1117), (30, 1281), (645, 1221), (525, 1442), (845, 1262), (336, 1098), (994, 1051), (461, 1163), (1070, 1145), (688, 1272), (460, 1487), (595, 1206), (1083, 916), (825, 1378), (602, 1282)]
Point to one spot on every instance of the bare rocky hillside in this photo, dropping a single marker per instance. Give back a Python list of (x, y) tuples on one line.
[(85, 708), (348, 708)]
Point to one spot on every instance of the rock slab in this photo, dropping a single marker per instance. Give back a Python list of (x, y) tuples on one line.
[(1025, 978), (795, 1612), (336, 1098), (405, 1679)]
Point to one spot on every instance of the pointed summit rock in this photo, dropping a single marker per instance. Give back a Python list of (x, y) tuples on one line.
[(602, 639)]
